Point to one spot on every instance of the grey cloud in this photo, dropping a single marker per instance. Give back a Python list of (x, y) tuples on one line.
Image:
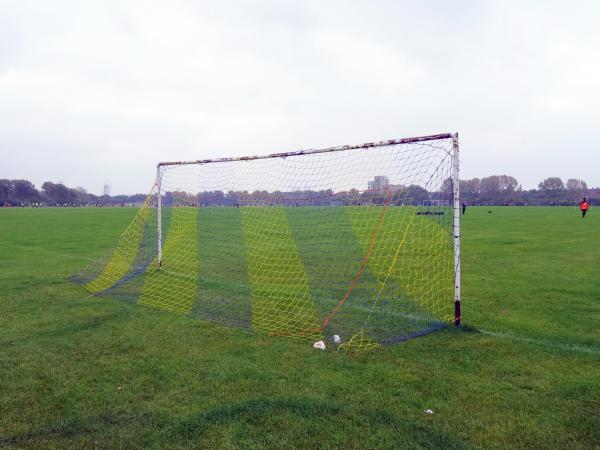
[(97, 90)]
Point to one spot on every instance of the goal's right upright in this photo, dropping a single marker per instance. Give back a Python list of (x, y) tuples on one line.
[(358, 241)]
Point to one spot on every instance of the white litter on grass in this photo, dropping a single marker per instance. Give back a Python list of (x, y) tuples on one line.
[(320, 345), (428, 412), (336, 339)]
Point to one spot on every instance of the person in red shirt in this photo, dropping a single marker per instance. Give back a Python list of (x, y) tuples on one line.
[(584, 206)]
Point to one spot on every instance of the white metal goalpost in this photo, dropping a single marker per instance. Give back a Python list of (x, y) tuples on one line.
[(361, 242)]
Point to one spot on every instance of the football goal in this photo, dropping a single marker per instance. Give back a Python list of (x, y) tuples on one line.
[(357, 244)]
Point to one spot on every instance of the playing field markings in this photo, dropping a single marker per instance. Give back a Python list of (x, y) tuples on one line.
[(281, 301), (174, 288), (223, 290), (542, 342)]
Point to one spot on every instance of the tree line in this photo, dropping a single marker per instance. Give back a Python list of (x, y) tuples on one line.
[(24, 193), (492, 190), (505, 189)]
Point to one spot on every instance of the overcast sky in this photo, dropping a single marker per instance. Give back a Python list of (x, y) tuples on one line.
[(101, 90)]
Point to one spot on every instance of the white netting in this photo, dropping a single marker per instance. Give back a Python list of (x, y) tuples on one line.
[(355, 242)]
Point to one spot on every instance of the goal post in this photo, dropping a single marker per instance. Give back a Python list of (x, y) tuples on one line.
[(158, 216), (456, 226), (360, 243)]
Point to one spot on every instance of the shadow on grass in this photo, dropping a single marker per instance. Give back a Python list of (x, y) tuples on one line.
[(81, 324), (72, 428), (252, 422), (465, 328)]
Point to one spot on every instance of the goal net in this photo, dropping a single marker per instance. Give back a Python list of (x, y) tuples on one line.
[(355, 241)]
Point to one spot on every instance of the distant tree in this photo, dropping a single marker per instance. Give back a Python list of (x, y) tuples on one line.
[(495, 189), (5, 191), (351, 197), (182, 198), (498, 189), (417, 192), (575, 189), (57, 193), (573, 184), (79, 195), (447, 187), (413, 195), (490, 185), (470, 187), (508, 183), (24, 191), (551, 185)]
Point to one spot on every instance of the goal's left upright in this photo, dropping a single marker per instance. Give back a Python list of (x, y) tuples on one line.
[(357, 241)]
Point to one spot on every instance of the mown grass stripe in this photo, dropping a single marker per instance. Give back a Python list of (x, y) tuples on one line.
[(281, 301), (173, 287), (412, 253), (223, 290)]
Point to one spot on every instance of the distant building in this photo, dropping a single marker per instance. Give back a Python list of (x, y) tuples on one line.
[(380, 182), (107, 186)]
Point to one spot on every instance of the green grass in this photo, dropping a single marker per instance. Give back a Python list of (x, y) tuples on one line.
[(78, 371), (270, 279), (291, 271)]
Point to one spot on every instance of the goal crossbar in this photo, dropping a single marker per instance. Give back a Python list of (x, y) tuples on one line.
[(339, 148)]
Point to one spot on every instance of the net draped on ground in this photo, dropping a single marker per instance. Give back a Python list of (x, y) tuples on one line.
[(355, 243)]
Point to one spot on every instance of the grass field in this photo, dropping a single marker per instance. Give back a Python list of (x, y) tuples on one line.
[(79, 371), (293, 271)]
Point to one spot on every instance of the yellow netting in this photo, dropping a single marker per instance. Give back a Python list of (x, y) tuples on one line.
[(414, 253), (281, 302), (359, 342), (124, 255), (173, 286), (289, 246)]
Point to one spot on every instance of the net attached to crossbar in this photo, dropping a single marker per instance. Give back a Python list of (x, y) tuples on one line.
[(352, 241)]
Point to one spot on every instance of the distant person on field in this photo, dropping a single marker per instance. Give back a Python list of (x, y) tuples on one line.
[(584, 206), (464, 207)]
